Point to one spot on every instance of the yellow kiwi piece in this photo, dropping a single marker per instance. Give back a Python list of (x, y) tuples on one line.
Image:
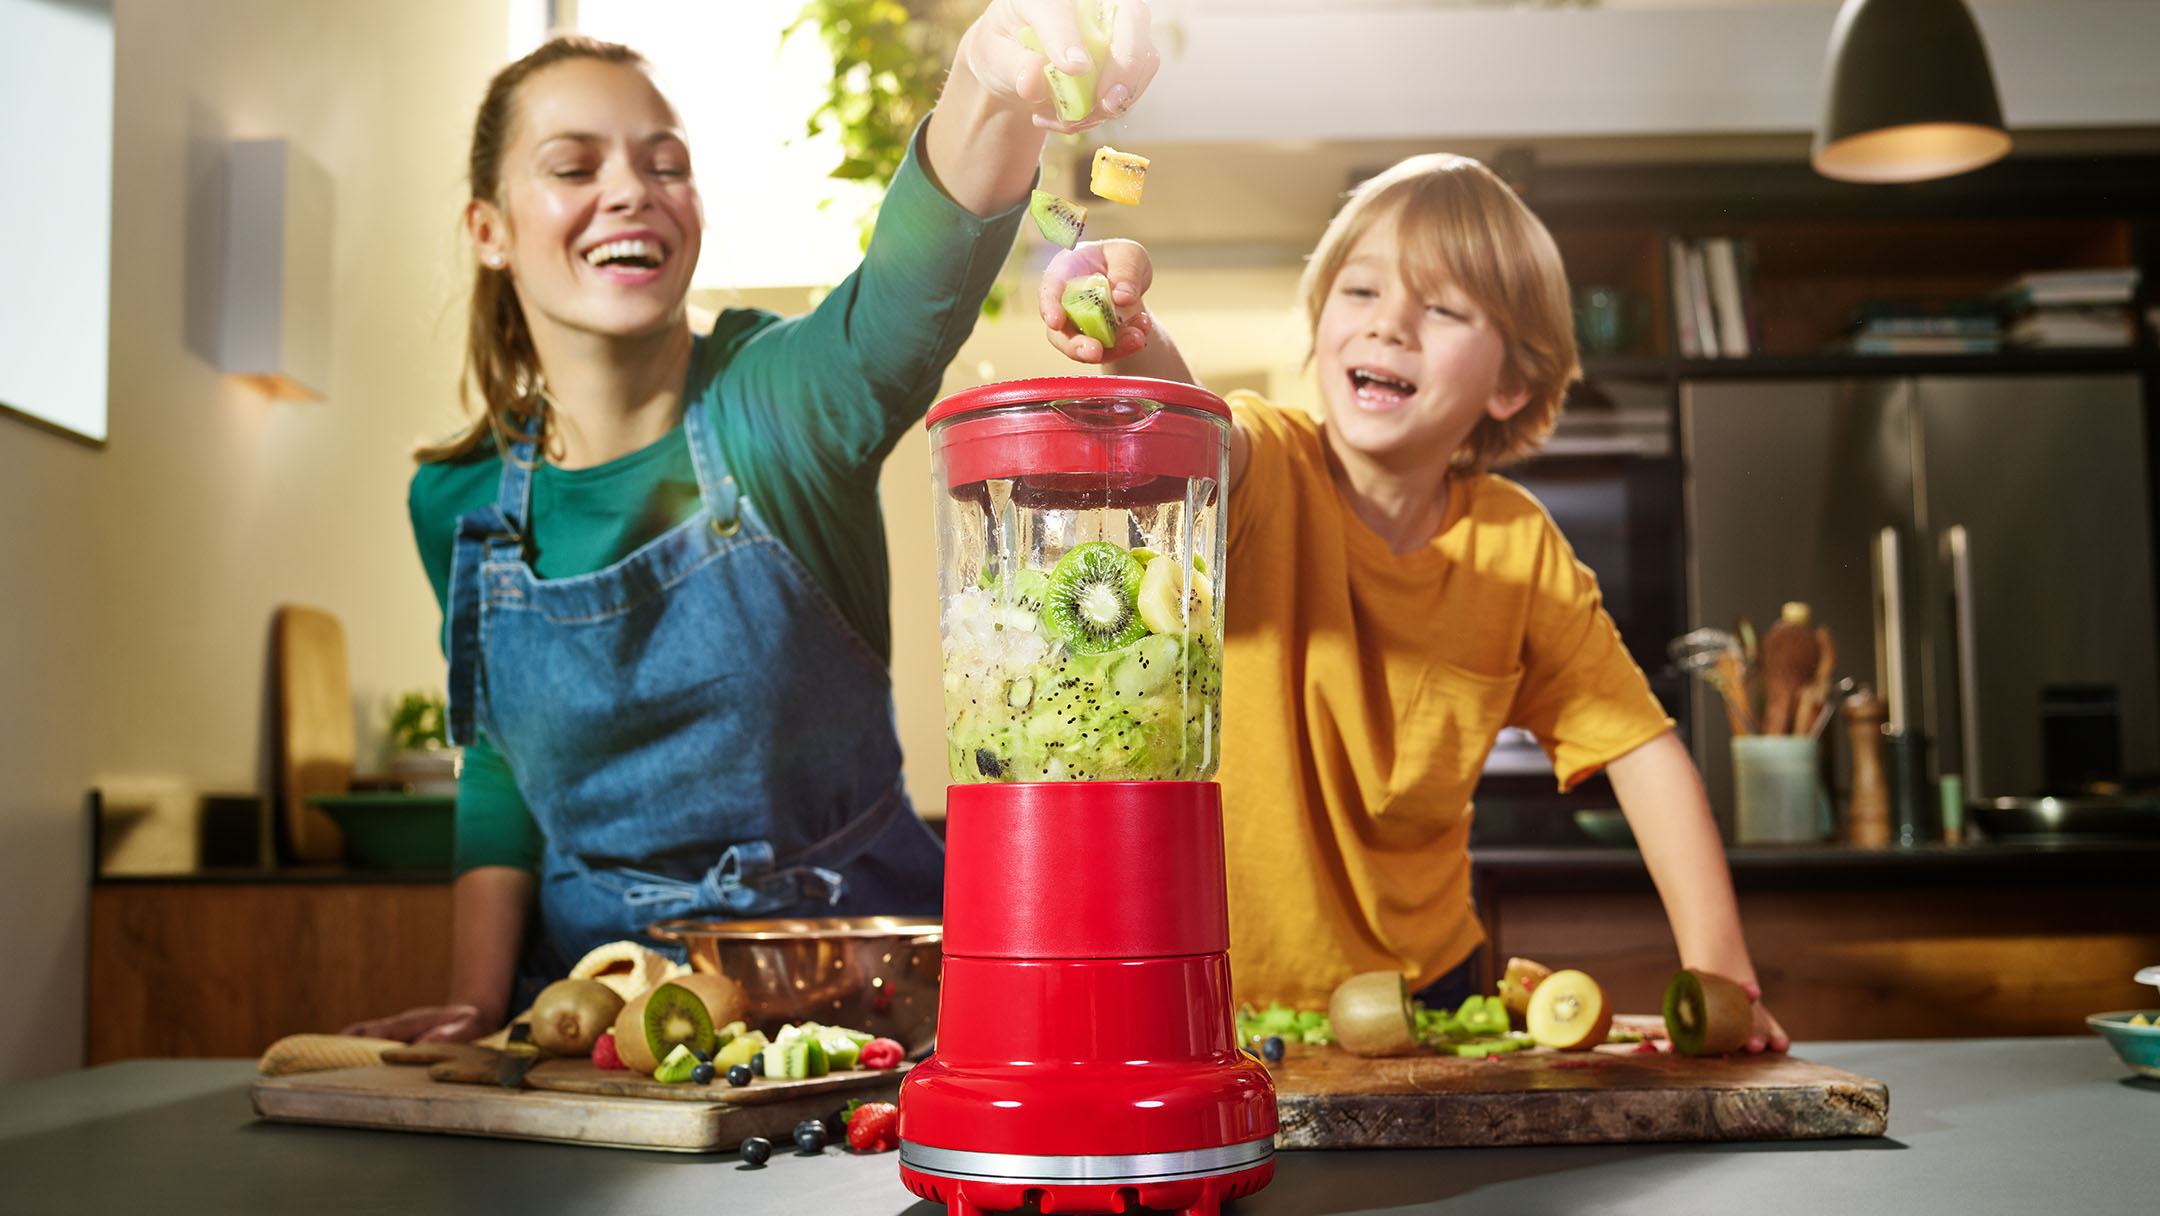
[(1117, 176), (1568, 1011), (1370, 1014)]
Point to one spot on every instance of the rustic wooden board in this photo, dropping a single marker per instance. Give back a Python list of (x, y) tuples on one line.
[(1327, 1098), (407, 1099)]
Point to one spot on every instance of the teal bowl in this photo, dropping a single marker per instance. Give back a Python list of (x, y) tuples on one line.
[(394, 831), (1607, 827), (2139, 1046)]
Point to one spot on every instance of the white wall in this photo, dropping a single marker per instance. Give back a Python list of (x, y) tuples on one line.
[(137, 582)]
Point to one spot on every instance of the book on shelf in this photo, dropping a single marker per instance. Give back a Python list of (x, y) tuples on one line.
[(1722, 255), (2043, 288), (1959, 317), (1713, 296), (1683, 299), (2104, 328), (1918, 344)]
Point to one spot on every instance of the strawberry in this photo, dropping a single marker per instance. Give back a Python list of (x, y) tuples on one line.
[(880, 1053), (874, 1127), (604, 1055)]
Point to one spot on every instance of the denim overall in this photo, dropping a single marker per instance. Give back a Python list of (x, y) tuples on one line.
[(696, 728)]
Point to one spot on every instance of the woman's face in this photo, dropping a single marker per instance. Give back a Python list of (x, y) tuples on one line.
[(1404, 376), (599, 220)]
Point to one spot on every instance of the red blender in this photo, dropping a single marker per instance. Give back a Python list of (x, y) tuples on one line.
[(1086, 1057)]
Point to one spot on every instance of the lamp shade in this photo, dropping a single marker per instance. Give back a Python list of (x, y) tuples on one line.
[(274, 324), (1908, 94)]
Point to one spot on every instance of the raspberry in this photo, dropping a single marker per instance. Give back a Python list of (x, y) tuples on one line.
[(880, 1053), (604, 1054)]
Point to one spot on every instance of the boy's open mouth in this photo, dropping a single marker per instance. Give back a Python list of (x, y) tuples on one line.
[(1379, 388)]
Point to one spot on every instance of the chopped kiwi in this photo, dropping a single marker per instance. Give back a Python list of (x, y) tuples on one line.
[(1060, 220), (677, 1067), (1074, 96), (796, 1059), (674, 1016), (1090, 603), (1087, 302), (1706, 1014), (1117, 176), (739, 1050)]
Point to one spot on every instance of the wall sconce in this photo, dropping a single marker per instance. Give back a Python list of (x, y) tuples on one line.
[(274, 311), (1908, 94)]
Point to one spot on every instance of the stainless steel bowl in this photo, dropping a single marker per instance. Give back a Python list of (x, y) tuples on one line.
[(874, 973)]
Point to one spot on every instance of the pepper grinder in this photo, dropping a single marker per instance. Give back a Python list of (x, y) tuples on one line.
[(1867, 817)]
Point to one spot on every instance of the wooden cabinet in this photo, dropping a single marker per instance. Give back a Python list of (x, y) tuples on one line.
[(199, 967), (1933, 943)]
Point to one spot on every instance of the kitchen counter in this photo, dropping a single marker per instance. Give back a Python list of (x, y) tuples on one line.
[(2067, 862), (1976, 1125)]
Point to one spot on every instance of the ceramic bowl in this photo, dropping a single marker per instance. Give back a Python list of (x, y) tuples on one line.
[(874, 973), (1606, 827), (2139, 1046)]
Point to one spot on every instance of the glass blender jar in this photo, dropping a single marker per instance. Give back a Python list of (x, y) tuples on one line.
[(1086, 1057)]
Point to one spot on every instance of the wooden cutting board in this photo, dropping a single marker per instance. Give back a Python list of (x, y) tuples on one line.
[(1327, 1098), (568, 1101)]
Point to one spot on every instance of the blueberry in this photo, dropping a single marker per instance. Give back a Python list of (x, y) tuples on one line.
[(704, 1057), (756, 1150), (810, 1136), (1271, 1047), (757, 1064), (702, 1074), (738, 1074)]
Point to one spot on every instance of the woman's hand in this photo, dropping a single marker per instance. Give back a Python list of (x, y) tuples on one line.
[(1767, 1034), (1011, 72), (427, 1024), (1131, 273)]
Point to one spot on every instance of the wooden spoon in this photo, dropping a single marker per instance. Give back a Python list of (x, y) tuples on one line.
[(1789, 657)]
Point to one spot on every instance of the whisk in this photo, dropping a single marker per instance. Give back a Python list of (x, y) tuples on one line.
[(1717, 658)]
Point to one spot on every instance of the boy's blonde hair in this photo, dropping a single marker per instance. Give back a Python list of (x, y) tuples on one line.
[(1456, 221)]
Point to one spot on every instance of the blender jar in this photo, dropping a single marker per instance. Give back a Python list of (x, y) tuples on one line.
[(1080, 561)]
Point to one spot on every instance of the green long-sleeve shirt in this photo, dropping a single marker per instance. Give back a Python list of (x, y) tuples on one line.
[(806, 409)]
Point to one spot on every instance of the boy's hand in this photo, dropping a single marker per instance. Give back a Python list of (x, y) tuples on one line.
[(1767, 1035), (1130, 272), (993, 52)]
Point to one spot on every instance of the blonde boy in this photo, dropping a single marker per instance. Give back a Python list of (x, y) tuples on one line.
[(1392, 605)]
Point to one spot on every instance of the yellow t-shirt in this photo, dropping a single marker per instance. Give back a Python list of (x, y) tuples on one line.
[(1362, 691)]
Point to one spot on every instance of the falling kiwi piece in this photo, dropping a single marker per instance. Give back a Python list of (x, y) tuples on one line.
[(1060, 220), (1518, 982), (569, 1015), (1706, 1014), (1087, 302), (1091, 601), (1568, 1011), (1117, 176), (1370, 1014)]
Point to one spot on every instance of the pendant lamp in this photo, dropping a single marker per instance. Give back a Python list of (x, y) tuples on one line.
[(1908, 94)]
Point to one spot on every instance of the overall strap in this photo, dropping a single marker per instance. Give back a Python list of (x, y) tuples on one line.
[(491, 534), (723, 498)]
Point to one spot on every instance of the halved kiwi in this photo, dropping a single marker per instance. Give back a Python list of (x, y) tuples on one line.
[(1706, 1014), (1087, 301), (1520, 980), (1091, 601), (687, 1009), (1568, 1011), (1370, 1014)]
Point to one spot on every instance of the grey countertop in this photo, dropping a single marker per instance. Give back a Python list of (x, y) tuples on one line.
[(2053, 1125)]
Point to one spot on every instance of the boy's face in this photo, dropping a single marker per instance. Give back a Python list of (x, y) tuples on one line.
[(601, 221), (1404, 375)]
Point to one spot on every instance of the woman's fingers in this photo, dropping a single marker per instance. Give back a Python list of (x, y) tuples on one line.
[(1133, 59), (416, 1025)]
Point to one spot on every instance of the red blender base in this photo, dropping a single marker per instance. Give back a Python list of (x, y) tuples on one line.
[(1196, 1197), (1086, 1057)]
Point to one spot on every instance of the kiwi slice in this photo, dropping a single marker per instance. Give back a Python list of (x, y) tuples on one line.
[(1090, 603), (675, 1017), (739, 1050), (1706, 1014), (1168, 600), (1370, 1014), (677, 1067), (1074, 96), (1060, 220), (1087, 302), (1569, 1011)]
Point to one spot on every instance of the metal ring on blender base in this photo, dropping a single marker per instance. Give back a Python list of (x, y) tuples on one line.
[(1105, 1170)]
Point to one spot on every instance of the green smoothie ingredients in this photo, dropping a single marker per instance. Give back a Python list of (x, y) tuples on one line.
[(1105, 667)]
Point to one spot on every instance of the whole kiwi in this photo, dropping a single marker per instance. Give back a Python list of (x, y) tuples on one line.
[(1370, 1014), (569, 1015)]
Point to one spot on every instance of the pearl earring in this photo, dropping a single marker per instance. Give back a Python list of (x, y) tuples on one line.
[(494, 261)]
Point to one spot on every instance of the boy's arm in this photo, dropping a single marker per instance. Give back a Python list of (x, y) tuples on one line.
[(1663, 798)]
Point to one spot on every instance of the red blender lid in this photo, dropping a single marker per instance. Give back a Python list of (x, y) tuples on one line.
[(1110, 430)]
